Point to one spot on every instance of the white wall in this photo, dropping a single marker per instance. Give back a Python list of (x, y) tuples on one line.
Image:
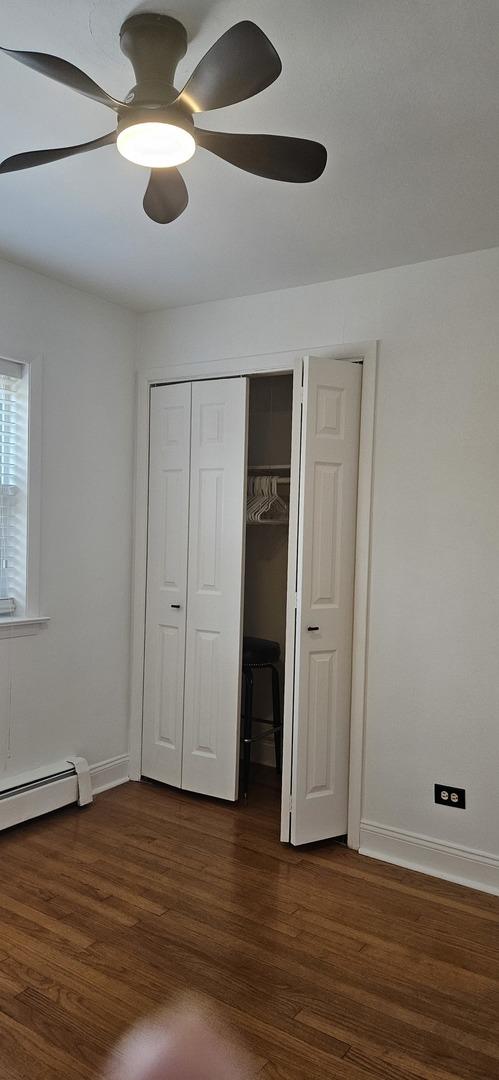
[(65, 689), (433, 680)]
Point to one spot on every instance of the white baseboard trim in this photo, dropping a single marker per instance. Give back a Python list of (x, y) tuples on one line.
[(108, 774), (465, 866)]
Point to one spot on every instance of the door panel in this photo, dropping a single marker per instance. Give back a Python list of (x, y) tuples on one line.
[(216, 560), (169, 474), (326, 563)]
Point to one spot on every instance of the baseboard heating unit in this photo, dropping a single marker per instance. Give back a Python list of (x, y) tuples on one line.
[(38, 792)]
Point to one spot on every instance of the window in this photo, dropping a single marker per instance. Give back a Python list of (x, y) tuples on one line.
[(14, 398)]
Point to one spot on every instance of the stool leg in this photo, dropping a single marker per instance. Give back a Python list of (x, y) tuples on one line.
[(276, 716), (247, 729)]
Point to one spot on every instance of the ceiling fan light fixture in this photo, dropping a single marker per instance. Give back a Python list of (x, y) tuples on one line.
[(156, 122), (157, 145)]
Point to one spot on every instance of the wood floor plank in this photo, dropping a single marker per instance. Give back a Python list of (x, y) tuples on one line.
[(364, 1027), (326, 964), (396, 878), (299, 968), (15, 909), (32, 1053), (481, 959)]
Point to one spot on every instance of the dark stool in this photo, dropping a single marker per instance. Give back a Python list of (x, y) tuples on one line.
[(259, 654)]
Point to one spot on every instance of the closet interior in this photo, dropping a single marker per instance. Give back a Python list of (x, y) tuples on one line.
[(265, 581)]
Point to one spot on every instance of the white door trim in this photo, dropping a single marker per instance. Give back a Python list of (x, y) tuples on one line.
[(252, 365), (290, 653)]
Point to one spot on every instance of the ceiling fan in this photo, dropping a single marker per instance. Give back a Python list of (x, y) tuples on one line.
[(156, 123)]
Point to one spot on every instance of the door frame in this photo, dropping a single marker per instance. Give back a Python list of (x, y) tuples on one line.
[(267, 364)]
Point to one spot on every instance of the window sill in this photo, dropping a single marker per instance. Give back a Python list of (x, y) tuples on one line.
[(11, 626)]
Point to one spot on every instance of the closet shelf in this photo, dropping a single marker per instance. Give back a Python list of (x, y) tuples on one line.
[(282, 521), (269, 468)]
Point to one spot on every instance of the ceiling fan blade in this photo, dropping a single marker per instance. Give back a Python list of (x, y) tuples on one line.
[(44, 157), (64, 72), (166, 197), (240, 64), (299, 161)]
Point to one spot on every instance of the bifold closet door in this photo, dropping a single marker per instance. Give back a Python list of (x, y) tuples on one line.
[(168, 533), (215, 587), (326, 564)]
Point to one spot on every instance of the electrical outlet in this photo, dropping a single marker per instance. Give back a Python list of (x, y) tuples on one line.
[(448, 795)]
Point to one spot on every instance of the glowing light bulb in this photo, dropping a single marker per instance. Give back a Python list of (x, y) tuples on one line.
[(156, 145)]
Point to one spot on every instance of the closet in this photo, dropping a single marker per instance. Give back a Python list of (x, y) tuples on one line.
[(224, 562)]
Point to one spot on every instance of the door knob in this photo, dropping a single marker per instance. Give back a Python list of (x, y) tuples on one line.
[(313, 627), (175, 605)]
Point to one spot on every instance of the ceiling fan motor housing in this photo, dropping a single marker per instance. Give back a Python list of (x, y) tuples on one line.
[(154, 44), (175, 114)]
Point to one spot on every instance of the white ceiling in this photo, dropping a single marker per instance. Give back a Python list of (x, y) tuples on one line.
[(404, 93)]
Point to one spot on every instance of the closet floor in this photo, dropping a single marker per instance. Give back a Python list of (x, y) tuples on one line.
[(327, 964)]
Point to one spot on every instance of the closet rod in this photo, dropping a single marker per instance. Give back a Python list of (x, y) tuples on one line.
[(282, 479)]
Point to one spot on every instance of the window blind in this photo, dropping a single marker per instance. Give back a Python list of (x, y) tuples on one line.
[(13, 452)]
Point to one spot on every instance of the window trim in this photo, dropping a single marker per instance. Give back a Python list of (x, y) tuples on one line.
[(32, 619)]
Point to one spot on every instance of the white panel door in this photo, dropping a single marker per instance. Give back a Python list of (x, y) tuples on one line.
[(168, 530), (326, 563), (215, 591)]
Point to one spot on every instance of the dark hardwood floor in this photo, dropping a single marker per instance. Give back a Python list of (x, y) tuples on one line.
[(326, 963)]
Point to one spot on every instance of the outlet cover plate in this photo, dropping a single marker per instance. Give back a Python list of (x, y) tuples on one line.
[(449, 795)]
